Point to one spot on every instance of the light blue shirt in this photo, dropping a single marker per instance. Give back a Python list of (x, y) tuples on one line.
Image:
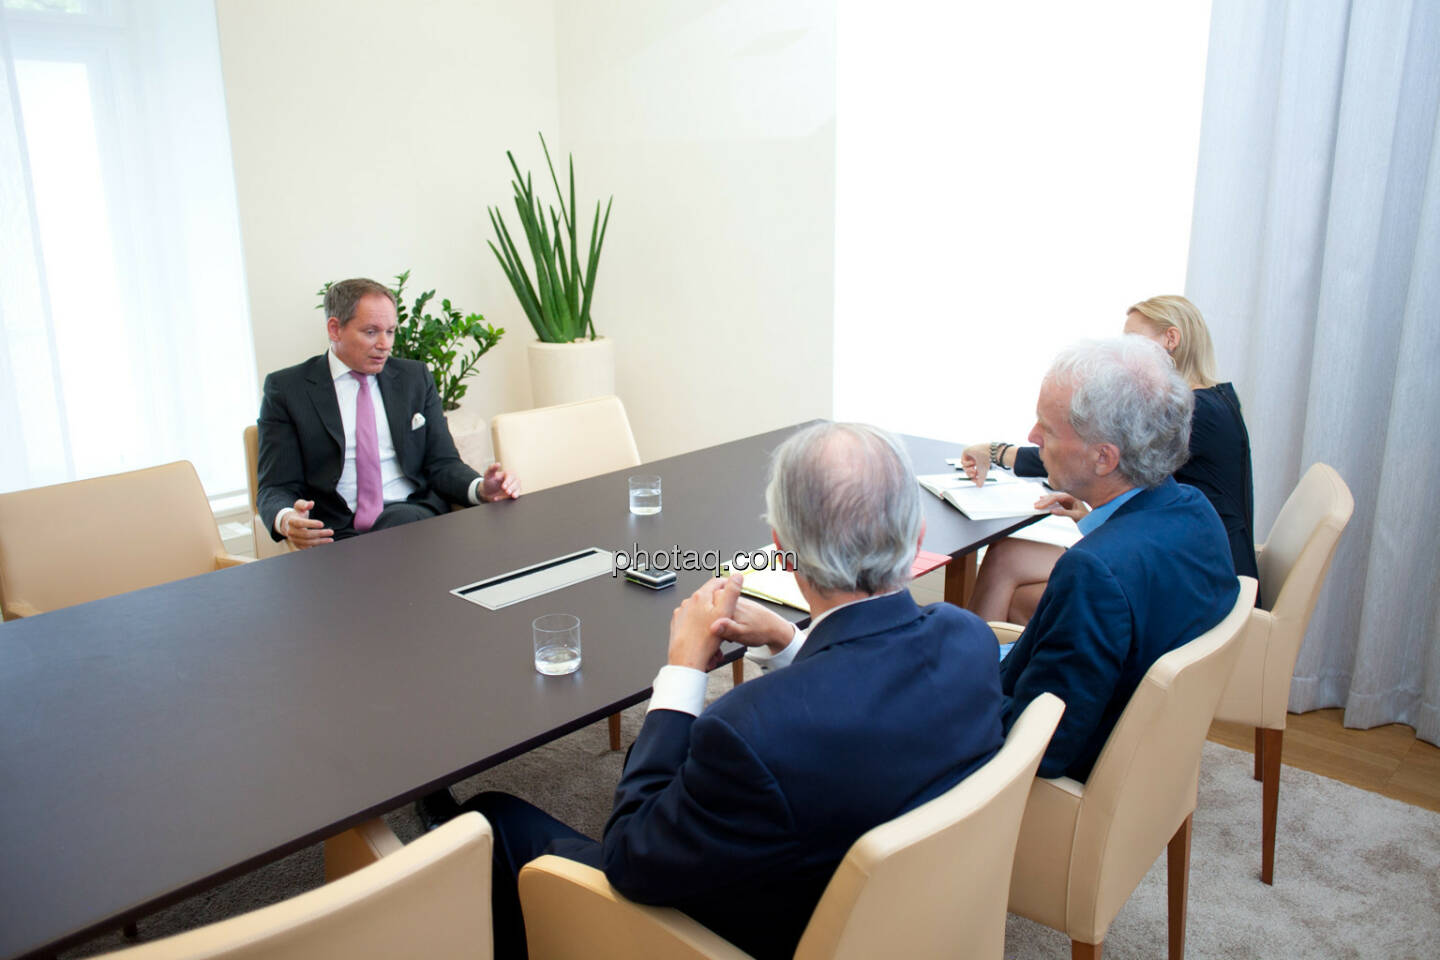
[(1099, 515)]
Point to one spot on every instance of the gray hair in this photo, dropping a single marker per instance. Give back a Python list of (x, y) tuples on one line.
[(342, 298), (1127, 392), (844, 498)]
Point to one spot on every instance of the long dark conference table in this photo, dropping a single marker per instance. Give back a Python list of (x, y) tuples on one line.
[(159, 742)]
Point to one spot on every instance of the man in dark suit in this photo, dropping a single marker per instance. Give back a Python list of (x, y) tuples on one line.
[(1153, 569), (355, 440), (739, 813)]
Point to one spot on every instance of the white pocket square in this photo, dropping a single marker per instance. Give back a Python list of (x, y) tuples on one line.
[(417, 421)]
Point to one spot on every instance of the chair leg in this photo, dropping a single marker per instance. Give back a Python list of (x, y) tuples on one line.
[(1259, 754), (960, 579), (1270, 803), (358, 847), (1177, 869), (1084, 951), (737, 671), (614, 731)]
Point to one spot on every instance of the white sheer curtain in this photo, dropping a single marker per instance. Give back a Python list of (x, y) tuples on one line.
[(124, 334), (1315, 255)]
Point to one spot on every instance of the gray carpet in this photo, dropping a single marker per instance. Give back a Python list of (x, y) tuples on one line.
[(1357, 874)]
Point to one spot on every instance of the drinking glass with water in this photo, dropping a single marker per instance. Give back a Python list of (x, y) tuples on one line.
[(557, 644), (644, 495)]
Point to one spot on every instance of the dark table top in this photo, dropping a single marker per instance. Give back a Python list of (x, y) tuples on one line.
[(159, 742)]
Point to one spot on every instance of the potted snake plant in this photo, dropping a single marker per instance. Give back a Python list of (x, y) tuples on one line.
[(568, 360)]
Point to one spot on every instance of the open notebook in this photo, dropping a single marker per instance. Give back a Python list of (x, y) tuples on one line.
[(1007, 497), (779, 586)]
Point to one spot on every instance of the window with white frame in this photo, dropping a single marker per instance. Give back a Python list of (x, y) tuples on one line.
[(124, 332)]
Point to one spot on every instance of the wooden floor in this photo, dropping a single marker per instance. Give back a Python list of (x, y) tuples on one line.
[(1386, 760)]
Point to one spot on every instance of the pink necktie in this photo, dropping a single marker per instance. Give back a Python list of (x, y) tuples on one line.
[(367, 458)]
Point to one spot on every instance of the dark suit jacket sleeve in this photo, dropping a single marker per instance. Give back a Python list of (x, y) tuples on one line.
[(281, 478), (1085, 622), (1028, 463), (695, 811), (444, 471)]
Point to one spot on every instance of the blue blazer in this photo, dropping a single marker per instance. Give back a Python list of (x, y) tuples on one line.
[(1154, 575), (740, 816)]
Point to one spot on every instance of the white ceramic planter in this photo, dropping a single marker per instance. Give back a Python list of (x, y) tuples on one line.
[(566, 372)]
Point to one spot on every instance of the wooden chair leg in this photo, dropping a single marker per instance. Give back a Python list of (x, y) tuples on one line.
[(1259, 754), (1177, 870), (358, 847), (737, 671), (1084, 951), (1270, 803), (614, 731)]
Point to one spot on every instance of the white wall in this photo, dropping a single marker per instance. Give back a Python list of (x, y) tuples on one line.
[(369, 136), (1010, 178), (713, 124)]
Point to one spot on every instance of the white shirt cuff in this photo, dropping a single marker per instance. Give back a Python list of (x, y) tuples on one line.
[(475, 489), (773, 661), (678, 688), (279, 517)]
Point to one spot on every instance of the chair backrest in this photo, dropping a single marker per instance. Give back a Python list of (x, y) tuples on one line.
[(73, 542), (1144, 782), (1294, 560), (431, 898), (252, 463), (934, 882), (265, 545), (548, 446), (1293, 565)]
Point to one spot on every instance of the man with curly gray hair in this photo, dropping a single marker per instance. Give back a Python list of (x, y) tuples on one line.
[(1153, 569)]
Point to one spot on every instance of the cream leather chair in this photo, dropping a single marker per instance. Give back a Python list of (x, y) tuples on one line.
[(548, 446), (1293, 563), (428, 899), (929, 883), (1085, 846), (80, 541), (265, 546)]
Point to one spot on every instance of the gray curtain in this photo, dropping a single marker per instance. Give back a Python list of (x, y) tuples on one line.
[(1315, 257)]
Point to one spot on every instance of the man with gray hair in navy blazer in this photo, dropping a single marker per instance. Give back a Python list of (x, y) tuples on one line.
[(1153, 569), (739, 813)]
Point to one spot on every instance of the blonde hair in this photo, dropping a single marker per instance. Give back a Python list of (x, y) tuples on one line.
[(1195, 355)]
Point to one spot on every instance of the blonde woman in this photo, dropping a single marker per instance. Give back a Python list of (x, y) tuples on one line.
[(1013, 576)]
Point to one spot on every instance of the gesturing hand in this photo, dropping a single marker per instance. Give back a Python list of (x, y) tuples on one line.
[(692, 642), (498, 485), (301, 531)]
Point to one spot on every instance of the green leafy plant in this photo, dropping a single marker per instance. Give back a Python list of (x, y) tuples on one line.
[(558, 302), (436, 340)]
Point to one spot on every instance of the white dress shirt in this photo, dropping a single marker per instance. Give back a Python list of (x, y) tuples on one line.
[(394, 487)]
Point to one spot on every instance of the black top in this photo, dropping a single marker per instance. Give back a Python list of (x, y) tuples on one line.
[(1219, 467)]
